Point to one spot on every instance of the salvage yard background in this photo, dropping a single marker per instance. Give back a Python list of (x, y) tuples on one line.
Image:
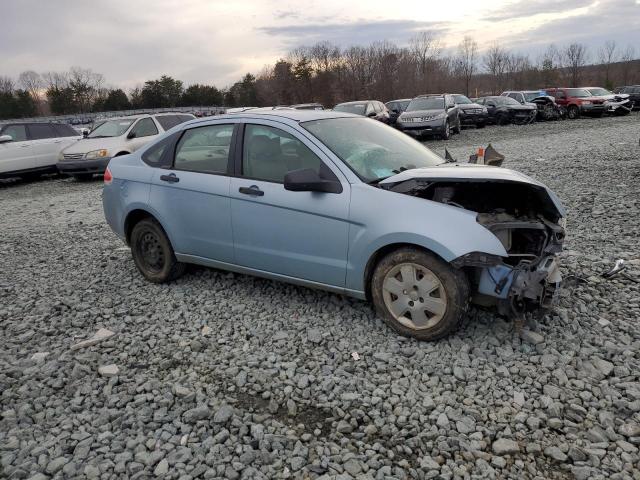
[(225, 376)]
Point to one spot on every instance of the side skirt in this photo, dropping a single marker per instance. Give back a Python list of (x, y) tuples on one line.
[(207, 262)]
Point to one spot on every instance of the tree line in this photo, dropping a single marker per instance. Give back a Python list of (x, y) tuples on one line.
[(329, 74)]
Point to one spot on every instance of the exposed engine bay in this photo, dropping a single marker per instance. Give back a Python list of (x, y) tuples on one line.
[(526, 221)]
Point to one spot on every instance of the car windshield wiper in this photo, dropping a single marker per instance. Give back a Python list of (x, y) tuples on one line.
[(101, 136)]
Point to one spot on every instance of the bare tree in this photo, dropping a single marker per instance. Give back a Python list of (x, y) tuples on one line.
[(7, 86), (575, 59), (607, 55), (86, 86), (466, 60), (32, 82), (425, 50), (626, 58), (496, 61)]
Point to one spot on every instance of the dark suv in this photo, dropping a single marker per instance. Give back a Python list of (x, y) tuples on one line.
[(368, 108), (430, 115), (634, 94), (396, 107), (470, 113)]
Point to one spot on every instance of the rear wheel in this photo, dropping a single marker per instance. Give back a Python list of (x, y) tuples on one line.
[(573, 112), (418, 294), (153, 254)]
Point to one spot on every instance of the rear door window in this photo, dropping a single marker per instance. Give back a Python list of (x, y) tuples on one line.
[(145, 128), (64, 130), (18, 133), (40, 131), (205, 149)]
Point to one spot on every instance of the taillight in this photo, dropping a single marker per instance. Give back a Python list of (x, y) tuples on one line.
[(108, 178)]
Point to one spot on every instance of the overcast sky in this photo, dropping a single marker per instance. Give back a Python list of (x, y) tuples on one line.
[(217, 41)]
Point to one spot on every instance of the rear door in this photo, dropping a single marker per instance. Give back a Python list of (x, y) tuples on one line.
[(144, 129), (190, 190), (296, 234), (44, 144), (16, 155)]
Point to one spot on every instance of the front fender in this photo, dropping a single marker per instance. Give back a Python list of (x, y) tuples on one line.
[(381, 218)]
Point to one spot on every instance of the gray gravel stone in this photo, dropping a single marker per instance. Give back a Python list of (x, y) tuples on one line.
[(279, 362)]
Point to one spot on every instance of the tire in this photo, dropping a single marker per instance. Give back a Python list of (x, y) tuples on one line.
[(458, 128), (573, 112), (153, 254), (83, 177), (502, 119), (446, 134), (449, 300)]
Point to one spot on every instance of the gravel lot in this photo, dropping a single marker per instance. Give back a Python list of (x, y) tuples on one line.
[(227, 376)]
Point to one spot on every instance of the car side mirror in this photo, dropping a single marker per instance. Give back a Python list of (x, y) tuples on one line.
[(308, 180), (371, 114), (85, 133), (396, 111), (131, 135), (6, 138)]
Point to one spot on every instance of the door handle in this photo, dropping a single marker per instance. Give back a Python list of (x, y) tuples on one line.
[(252, 190), (170, 178)]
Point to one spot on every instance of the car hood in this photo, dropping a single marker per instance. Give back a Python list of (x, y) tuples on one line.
[(421, 113), (463, 172), (466, 106), (88, 144)]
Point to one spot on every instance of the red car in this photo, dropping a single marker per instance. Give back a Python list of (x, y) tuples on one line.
[(577, 101)]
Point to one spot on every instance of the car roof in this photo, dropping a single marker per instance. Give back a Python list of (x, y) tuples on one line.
[(356, 101), (144, 115), (292, 114)]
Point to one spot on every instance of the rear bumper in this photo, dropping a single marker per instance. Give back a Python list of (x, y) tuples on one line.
[(98, 165)]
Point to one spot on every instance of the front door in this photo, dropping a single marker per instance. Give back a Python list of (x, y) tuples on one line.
[(192, 192), (297, 234), (17, 154)]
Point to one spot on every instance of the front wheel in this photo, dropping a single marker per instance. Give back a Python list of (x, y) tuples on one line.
[(573, 112), (446, 133), (153, 254), (418, 294)]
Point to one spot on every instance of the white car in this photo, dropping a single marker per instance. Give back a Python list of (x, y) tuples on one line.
[(30, 149), (113, 137)]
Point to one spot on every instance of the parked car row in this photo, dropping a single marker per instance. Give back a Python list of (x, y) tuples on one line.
[(31, 149), (440, 115)]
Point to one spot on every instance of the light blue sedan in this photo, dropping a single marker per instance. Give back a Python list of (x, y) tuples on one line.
[(343, 203)]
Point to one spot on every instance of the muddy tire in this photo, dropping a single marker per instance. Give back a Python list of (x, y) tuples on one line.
[(418, 294), (153, 254), (573, 112)]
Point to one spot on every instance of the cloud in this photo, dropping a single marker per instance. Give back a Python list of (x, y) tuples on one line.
[(527, 8), (593, 27), (360, 32)]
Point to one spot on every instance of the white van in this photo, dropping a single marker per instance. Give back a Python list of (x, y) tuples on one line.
[(113, 137)]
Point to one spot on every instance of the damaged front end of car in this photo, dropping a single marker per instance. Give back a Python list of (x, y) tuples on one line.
[(524, 216)]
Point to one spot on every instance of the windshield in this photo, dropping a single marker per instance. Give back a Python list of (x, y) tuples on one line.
[(429, 103), (528, 96), (372, 150), (599, 91), (507, 101), (110, 128), (578, 92), (357, 108), (461, 100)]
